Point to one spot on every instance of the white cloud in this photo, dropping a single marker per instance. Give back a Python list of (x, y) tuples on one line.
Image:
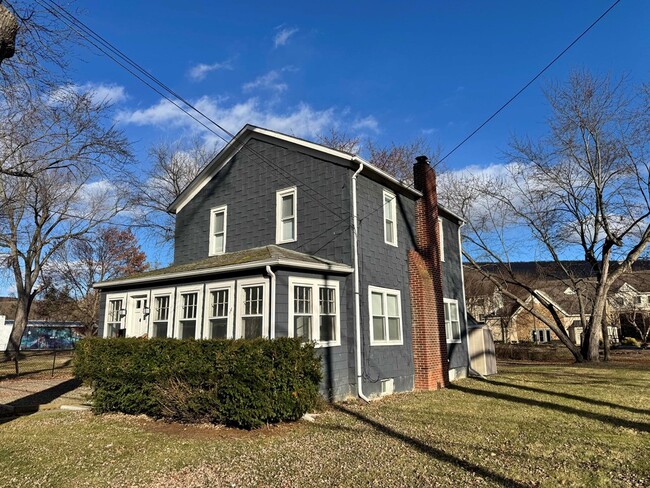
[(100, 92), (283, 35), (270, 80), (302, 120), (368, 122), (201, 70)]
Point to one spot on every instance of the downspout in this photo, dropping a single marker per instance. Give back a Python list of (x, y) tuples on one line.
[(357, 306), (272, 321), (470, 370)]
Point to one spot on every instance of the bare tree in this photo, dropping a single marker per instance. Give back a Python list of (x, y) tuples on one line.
[(107, 253), (174, 166), (583, 190), (62, 165), (340, 140)]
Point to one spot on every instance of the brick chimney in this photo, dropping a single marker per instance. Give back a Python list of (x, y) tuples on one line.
[(429, 337)]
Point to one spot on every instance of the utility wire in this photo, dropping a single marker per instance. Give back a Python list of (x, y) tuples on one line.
[(540, 73), (530, 82), (94, 39)]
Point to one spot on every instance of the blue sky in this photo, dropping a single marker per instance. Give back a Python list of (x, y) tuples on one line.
[(377, 69)]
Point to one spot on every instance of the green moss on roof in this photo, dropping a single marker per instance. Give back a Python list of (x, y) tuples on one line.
[(258, 254)]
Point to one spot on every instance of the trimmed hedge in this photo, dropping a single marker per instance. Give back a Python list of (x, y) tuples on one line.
[(243, 383)]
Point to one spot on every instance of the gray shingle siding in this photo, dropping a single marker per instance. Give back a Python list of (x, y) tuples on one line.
[(452, 287), (248, 186), (385, 266)]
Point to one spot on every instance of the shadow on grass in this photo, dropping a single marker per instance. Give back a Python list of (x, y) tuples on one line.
[(430, 451), (615, 421), (569, 396), (24, 374), (30, 404)]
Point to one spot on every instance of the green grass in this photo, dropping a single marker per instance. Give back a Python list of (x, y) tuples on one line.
[(532, 425)]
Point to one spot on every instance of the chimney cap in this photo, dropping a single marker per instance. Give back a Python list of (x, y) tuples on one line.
[(422, 159)]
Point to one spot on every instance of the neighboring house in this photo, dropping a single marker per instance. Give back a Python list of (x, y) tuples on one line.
[(42, 334), (282, 237), (628, 304)]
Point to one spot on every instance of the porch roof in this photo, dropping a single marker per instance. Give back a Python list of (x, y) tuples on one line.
[(258, 257)]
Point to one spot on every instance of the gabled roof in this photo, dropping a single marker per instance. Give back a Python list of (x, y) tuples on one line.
[(258, 257), (249, 131)]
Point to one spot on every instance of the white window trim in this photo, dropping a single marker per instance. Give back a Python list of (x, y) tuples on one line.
[(278, 214), (163, 292), (315, 284), (441, 238), (393, 205), (384, 292), (241, 284), (460, 326), (114, 296), (213, 212), (216, 286), (198, 289)]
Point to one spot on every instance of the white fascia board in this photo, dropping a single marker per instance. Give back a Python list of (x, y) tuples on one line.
[(336, 268), (226, 154)]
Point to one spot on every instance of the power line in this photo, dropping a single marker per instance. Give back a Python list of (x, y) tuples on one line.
[(540, 73), (530, 82), (85, 32)]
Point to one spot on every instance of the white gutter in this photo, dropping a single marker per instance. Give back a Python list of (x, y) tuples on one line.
[(272, 324), (357, 306), (335, 268)]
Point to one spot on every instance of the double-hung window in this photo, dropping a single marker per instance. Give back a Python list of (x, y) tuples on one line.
[(286, 216), (218, 220), (188, 312), (219, 311), (452, 322), (114, 317), (162, 307), (252, 313), (390, 218), (314, 311), (385, 316)]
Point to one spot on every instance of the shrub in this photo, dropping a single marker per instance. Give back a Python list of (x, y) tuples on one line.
[(631, 341), (244, 383)]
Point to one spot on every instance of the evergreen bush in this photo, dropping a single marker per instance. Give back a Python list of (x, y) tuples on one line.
[(243, 383)]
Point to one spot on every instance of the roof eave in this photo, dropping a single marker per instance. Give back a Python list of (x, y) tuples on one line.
[(331, 267)]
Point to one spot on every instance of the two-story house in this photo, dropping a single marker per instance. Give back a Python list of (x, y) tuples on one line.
[(279, 237)]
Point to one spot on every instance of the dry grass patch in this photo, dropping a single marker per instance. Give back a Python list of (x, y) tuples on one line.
[(532, 425)]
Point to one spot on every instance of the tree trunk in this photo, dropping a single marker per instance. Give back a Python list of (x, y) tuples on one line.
[(20, 324), (8, 31), (591, 345)]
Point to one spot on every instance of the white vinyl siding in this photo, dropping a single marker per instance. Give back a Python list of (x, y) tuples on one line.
[(218, 224), (314, 311), (385, 307), (286, 216), (452, 321), (390, 218)]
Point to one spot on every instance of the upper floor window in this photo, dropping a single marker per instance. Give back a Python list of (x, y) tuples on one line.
[(285, 211), (218, 218), (390, 218), (385, 316), (452, 322), (441, 234), (313, 311)]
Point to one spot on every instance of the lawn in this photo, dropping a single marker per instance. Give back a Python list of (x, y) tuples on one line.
[(38, 363), (532, 425)]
